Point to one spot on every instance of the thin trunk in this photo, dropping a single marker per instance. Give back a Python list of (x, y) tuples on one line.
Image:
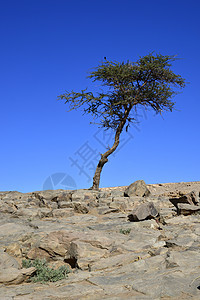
[(104, 157)]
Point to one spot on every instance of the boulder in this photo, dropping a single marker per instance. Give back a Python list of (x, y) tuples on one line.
[(143, 212), (137, 188), (84, 254), (190, 198)]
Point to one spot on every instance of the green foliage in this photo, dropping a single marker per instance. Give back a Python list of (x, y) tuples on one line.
[(125, 231), (126, 87), (27, 263), (148, 82), (43, 272)]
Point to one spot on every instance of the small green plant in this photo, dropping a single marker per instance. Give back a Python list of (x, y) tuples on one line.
[(26, 263), (43, 272), (125, 231)]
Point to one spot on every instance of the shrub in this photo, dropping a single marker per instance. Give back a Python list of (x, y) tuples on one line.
[(43, 273), (125, 231)]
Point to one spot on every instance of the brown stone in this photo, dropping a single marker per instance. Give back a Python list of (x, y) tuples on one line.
[(37, 253), (15, 276), (143, 211), (137, 188), (14, 249), (187, 209), (80, 208), (190, 198)]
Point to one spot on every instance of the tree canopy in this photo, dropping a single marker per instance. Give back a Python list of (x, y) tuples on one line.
[(125, 86)]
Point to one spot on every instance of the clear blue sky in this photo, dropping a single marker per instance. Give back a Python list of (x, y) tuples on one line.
[(48, 47)]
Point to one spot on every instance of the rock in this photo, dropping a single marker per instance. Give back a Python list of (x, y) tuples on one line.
[(117, 193), (109, 257), (63, 213), (81, 208), (44, 213), (12, 229), (119, 205), (37, 253), (84, 254), (190, 198), (29, 212), (42, 201), (64, 204), (93, 204), (56, 243), (167, 212), (143, 212), (14, 249), (104, 210), (187, 209), (7, 261), (7, 208), (184, 240), (15, 276), (84, 195), (104, 194), (137, 188), (80, 247), (64, 197), (114, 261)]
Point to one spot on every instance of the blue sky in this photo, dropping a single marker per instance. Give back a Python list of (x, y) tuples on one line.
[(48, 47)]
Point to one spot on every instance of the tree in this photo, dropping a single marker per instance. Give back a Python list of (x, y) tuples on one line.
[(149, 82)]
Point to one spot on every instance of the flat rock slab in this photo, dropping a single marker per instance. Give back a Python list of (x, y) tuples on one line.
[(15, 276), (13, 229), (187, 209)]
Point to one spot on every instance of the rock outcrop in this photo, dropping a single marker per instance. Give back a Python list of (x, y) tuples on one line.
[(140, 242)]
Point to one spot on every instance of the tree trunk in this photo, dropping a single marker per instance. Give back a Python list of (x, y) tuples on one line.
[(104, 157)]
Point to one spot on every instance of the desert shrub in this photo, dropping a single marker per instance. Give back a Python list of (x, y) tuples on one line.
[(44, 273), (125, 231)]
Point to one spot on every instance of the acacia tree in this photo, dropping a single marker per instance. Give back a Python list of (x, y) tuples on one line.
[(149, 82)]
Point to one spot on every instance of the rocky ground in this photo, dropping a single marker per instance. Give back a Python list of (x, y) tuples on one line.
[(136, 242)]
